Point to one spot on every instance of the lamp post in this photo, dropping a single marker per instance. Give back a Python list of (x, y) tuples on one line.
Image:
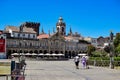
[(20, 43), (22, 58), (111, 65)]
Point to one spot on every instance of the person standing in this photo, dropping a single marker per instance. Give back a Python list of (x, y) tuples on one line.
[(76, 60)]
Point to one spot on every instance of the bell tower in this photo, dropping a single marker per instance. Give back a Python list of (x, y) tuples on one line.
[(61, 26)]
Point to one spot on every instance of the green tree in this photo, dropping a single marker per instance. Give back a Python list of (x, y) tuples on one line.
[(117, 50), (117, 40), (96, 53), (99, 53), (117, 44), (90, 49)]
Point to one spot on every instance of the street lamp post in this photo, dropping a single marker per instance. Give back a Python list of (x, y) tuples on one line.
[(22, 58), (111, 65)]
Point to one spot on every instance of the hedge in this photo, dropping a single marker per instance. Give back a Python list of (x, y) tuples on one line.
[(103, 61)]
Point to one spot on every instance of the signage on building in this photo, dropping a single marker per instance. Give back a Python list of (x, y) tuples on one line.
[(2, 45), (2, 48)]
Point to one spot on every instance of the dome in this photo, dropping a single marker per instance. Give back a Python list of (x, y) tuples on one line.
[(60, 18), (60, 22)]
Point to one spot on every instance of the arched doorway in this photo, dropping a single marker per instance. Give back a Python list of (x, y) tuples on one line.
[(8, 54), (40, 51), (36, 51), (66, 54), (51, 52), (73, 54), (56, 52)]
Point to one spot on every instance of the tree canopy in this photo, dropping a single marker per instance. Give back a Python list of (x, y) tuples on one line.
[(117, 50), (91, 48), (117, 44), (117, 40)]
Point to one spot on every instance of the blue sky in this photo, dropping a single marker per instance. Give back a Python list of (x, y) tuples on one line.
[(91, 18)]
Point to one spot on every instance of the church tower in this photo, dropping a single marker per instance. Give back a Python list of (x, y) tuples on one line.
[(61, 26)]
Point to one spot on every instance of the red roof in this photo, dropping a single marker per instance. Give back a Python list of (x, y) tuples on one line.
[(41, 36), (69, 38), (1, 32)]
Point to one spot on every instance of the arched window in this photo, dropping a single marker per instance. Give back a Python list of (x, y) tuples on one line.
[(28, 35), (20, 44), (25, 44), (33, 35), (30, 44)]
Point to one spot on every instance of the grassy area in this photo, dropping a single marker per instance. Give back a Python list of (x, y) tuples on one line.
[(5, 64), (5, 70), (118, 67)]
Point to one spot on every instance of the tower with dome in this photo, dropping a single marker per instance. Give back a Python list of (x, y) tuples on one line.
[(56, 45), (61, 26)]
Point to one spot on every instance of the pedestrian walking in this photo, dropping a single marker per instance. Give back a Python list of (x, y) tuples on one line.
[(83, 60), (76, 60), (87, 63)]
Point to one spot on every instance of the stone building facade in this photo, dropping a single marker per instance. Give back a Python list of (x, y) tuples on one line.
[(56, 45)]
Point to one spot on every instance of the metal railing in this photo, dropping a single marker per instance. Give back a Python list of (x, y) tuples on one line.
[(103, 63)]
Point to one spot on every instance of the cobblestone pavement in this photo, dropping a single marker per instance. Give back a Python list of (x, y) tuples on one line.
[(65, 70)]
